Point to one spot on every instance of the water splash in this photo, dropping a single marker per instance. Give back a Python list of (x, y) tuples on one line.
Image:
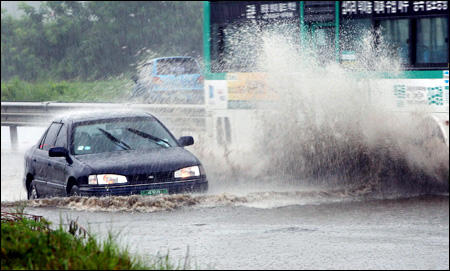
[(146, 204), (328, 125)]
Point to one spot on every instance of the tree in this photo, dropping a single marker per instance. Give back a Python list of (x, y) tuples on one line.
[(94, 39)]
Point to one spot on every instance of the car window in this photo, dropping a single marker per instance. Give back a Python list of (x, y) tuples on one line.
[(61, 139), (50, 137), (176, 66), (119, 135)]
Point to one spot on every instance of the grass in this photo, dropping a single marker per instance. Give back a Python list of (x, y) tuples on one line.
[(27, 242), (114, 90)]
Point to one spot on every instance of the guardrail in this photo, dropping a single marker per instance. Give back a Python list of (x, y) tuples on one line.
[(179, 118)]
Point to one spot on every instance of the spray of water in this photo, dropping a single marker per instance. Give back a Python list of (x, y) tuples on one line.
[(327, 124)]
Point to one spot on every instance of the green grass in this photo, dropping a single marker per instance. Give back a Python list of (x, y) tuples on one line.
[(29, 244), (114, 90)]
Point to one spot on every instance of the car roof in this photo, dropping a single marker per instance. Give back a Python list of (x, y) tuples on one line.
[(101, 115)]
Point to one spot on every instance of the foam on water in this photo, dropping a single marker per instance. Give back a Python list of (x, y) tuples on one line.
[(149, 204)]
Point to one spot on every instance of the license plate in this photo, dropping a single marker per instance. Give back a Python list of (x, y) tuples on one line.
[(154, 192)]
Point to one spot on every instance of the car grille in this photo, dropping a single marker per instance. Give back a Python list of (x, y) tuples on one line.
[(159, 177)]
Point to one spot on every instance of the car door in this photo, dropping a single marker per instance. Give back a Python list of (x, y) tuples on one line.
[(39, 165), (42, 161), (56, 181)]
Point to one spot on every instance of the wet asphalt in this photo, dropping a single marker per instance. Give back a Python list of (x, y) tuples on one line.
[(408, 233), (404, 232)]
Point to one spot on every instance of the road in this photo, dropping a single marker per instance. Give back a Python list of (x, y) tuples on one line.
[(254, 226), (409, 233)]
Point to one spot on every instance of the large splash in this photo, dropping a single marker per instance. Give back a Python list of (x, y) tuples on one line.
[(327, 125)]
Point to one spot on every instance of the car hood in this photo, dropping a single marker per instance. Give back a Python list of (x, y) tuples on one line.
[(139, 161)]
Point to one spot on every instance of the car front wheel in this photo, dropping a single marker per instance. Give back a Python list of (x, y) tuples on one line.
[(74, 191)]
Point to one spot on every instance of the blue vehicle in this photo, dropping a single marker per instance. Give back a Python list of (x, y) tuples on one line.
[(170, 79)]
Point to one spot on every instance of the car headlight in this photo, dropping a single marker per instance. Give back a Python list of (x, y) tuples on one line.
[(187, 172), (107, 179)]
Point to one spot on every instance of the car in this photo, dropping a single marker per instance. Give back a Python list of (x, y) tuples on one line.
[(170, 80), (111, 153)]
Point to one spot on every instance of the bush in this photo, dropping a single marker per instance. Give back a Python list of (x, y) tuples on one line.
[(28, 243), (113, 90), (11, 90)]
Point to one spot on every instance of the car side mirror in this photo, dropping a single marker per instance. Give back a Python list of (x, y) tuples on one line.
[(58, 152), (186, 141)]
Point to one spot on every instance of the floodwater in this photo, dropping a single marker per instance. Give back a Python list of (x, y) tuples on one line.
[(335, 185), (409, 233), (13, 161), (258, 227)]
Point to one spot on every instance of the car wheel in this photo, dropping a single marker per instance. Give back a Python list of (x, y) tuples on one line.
[(32, 192), (74, 191)]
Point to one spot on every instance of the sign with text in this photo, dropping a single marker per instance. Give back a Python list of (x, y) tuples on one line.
[(374, 9), (425, 95), (230, 12)]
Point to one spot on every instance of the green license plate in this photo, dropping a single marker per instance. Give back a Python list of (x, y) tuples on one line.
[(154, 192)]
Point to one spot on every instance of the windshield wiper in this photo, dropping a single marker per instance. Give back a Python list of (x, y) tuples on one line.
[(118, 142), (159, 141)]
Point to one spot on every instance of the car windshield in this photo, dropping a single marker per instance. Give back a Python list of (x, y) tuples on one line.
[(177, 66), (120, 134)]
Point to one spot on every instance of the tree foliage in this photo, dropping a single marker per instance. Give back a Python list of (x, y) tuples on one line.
[(63, 40)]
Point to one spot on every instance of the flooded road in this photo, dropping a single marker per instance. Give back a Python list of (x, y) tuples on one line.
[(258, 227), (13, 161), (409, 233), (316, 159)]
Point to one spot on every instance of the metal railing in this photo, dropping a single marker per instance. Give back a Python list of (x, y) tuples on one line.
[(179, 118)]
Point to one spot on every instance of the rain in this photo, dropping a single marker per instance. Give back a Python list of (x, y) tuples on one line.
[(308, 165)]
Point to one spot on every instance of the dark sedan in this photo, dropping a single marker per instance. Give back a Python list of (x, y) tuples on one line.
[(111, 154)]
